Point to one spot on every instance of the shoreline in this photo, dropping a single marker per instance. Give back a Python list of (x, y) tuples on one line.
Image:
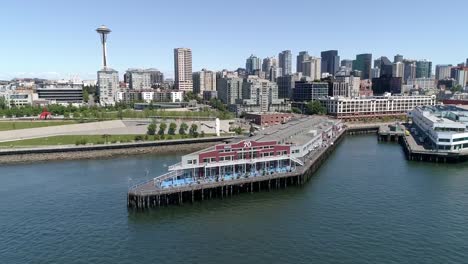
[(19, 156)]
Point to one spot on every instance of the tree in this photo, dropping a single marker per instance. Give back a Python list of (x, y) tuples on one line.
[(193, 130), (3, 103), (172, 128), (162, 129), (296, 110), (183, 129), (151, 129), (85, 96), (238, 130), (315, 108), (106, 137), (457, 88)]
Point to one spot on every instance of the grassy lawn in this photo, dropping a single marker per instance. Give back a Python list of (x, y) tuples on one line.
[(13, 125), (82, 140)]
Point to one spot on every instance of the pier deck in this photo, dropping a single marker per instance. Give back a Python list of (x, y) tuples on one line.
[(150, 195)]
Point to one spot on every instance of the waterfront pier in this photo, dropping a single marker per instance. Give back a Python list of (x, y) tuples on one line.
[(278, 157)]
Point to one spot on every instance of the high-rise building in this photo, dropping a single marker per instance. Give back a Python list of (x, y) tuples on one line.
[(267, 64), (466, 63), (252, 64), (183, 69), (204, 80), (443, 72), (375, 73), (330, 61), (138, 79), (385, 66), (285, 61), (303, 56), (386, 84), (286, 85), (347, 63), (307, 90), (108, 85), (363, 63), (423, 69), (107, 78), (260, 95), (312, 68), (410, 69), (229, 89), (398, 58), (398, 69)]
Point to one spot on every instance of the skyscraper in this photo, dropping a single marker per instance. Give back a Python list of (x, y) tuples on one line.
[(423, 69), (285, 61), (385, 66), (398, 58), (183, 69), (330, 61), (347, 63), (443, 72), (204, 80), (410, 69), (252, 64), (399, 69), (267, 64), (312, 68), (303, 56), (363, 63), (107, 78)]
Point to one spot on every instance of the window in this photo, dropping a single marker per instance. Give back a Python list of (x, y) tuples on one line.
[(444, 140)]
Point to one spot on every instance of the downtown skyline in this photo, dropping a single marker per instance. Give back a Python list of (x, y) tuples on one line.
[(57, 48)]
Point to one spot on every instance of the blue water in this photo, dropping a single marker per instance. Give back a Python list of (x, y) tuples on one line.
[(367, 204)]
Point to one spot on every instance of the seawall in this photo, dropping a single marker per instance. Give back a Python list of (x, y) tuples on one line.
[(106, 151)]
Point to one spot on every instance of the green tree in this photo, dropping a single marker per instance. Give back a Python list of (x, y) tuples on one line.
[(3, 103), (162, 129), (172, 128), (315, 108), (183, 129), (193, 130), (238, 130), (85, 96), (151, 129)]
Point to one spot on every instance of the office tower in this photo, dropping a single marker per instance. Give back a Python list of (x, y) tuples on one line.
[(363, 63), (229, 89), (423, 69), (410, 69), (375, 73), (308, 90), (286, 85), (312, 68), (303, 56), (107, 78), (466, 63), (385, 66), (398, 69), (347, 63), (285, 61), (386, 84), (443, 72), (183, 69), (204, 80), (274, 73), (330, 61), (398, 58), (252, 64)]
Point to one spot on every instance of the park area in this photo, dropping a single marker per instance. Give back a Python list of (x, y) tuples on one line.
[(13, 125)]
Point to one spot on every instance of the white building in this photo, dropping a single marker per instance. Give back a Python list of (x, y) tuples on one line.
[(398, 69), (376, 106), (312, 68), (443, 72), (446, 127), (422, 83), (108, 84)]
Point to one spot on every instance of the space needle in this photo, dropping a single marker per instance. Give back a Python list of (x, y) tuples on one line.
[(103, 31)]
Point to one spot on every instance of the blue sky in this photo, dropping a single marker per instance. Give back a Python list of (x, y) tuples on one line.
[(56, 39)]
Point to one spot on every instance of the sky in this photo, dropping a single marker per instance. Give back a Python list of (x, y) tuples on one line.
[(56, 38)]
